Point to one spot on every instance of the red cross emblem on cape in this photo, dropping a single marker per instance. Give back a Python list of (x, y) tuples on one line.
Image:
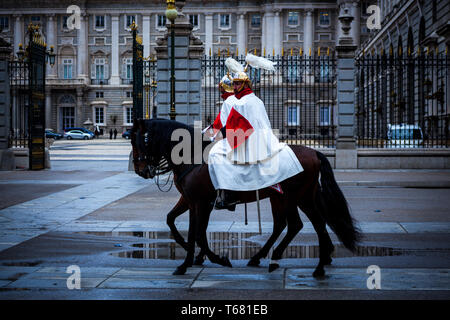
[(238, 129)]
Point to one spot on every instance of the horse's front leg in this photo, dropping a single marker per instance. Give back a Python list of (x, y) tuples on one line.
[(180, 208), (181, 269), (203, 212)]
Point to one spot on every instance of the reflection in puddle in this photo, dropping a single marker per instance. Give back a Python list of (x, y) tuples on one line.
[(235, 245)]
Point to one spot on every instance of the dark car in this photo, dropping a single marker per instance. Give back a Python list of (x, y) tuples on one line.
[(79, 128), (53, 135), (127, 134)]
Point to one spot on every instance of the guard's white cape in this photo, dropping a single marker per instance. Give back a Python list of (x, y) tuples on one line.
[(259, 161)]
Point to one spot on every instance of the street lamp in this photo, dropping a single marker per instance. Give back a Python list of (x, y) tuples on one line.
[(22, 54), (171, 14)]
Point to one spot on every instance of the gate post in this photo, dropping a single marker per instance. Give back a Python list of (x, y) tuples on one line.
[(188, 54), (7, 161), (346, 153)]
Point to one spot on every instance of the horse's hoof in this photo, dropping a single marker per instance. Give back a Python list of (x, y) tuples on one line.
[(199, 261), (253, 263), (224, 261), (273, 267), (319, 273), (179, 271)]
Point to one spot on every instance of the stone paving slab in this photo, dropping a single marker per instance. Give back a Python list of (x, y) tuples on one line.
[(49, 212), (420, 227), (225, 278), (53, 283), (356, 279)]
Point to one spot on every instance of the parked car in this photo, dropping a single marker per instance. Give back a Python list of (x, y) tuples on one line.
[(127, 134), (78, 128), (77, 134), (404, 136), (53, 135)]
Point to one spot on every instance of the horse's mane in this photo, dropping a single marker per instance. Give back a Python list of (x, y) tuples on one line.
[(161, 130)]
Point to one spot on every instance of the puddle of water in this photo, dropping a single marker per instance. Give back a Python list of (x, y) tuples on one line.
[(233, 244)]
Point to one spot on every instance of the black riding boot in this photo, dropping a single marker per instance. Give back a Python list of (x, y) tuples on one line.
[(227, 199)]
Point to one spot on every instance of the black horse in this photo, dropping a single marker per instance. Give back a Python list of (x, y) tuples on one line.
[(322, 202)]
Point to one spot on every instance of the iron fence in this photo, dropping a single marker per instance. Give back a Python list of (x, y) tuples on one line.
[(299, 96), (19, 104), (402, 101)]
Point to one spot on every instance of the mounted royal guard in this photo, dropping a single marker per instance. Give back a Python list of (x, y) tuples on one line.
[(250, 157)]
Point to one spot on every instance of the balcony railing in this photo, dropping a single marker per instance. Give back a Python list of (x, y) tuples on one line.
[(99, 81), (127, 81)]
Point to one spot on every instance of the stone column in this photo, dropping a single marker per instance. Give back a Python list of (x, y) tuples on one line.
[(278, 33), (188, 54), (356, 24), (51, 41), (346, 153), (269, 41), (7, 161), (308, 32), (146, 34), (263, 31), (209, 33), (82, 48), (79, 107), (242, 33), (18, 32), (308, 46), (115, 78)]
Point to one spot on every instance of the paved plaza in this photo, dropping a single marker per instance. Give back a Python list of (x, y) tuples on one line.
[(89, 211)]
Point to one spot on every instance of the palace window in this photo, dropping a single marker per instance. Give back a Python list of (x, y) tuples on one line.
[(224, 21), (127, 69), (161, 21), (99, 94), (100, 22), (64, 22), (193, 19), (99, 115), (35, 19), (293, 115), (67, 68), (324, 115), (324, 18), (293, 19), (129, 115), (100, 69), (129, 19), (4, 23), (256, 21)]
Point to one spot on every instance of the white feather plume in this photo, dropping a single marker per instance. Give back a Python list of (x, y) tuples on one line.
[(233, 66), (259, 62)]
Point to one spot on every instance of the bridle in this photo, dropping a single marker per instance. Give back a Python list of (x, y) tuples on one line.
[(154, 167)]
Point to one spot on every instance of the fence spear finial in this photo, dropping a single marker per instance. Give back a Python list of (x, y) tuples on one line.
[(318, 51), (282, 52)]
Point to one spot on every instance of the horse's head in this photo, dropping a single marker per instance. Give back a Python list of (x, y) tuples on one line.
[(146, 157)]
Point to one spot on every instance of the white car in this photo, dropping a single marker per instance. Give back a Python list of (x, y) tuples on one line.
[(404, 136), (77, 134)]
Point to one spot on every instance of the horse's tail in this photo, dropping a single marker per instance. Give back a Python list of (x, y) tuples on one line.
[(334, 207)]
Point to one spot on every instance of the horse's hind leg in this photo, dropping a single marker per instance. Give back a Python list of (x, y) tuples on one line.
[(326, 247), (279, 223), (294, 225)]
